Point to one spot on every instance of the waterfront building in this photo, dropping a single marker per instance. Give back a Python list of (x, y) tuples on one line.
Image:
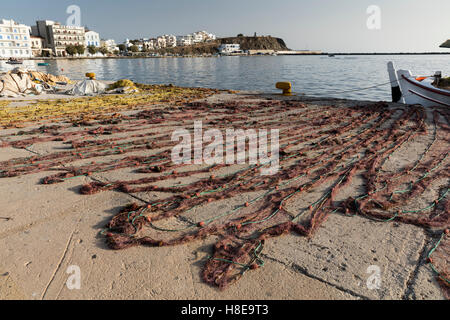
[(230, 48), (92, 39), (15, 40), (57, 36), (109, 44), (37, 45)]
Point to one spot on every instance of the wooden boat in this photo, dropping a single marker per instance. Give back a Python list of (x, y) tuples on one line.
[(14, 61), (409, 89)]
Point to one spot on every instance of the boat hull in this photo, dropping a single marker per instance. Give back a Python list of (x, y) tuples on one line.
[(414, 90), (421, 92)]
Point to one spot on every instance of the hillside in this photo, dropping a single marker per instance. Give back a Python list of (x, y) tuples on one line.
[(247, 43), (257, 43), (446, 44)]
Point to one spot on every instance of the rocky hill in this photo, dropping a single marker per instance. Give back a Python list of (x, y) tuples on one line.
[(257, 43), (247, 43), (446, 44)]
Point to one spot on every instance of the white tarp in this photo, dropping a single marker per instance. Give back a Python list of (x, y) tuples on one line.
[(18, 83), (88, 88)]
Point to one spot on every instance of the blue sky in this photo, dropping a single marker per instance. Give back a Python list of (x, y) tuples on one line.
[(328, 25)]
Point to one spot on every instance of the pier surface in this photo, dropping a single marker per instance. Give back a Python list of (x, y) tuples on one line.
[(46, 228)]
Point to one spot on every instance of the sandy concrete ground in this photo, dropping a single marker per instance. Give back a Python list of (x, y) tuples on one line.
[(52, 227)]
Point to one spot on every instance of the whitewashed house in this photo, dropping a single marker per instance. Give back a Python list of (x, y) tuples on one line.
[(92, 38)]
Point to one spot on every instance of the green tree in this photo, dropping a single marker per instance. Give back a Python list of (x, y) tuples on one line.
[(104, 50), (122, 47), (240, 35), (92, 49), (80, 49), (71, 50), (134, 48)]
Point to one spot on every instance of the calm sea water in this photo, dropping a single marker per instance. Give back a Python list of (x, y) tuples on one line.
[(311, 75)]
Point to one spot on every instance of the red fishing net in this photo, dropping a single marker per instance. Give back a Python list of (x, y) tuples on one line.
[(323, 150)]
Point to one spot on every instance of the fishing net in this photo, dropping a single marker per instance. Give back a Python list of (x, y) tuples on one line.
[(326, 152)]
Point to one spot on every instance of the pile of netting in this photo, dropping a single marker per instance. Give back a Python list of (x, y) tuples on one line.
[(333, 159), (102, 107)]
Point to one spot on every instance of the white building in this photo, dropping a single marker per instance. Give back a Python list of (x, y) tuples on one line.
[(92, 39), (109, 44), (161, 42), (203, 36), (15, 40), (171, 40), (37, 45), (196, 37), (57, 36), (185, 40), (151, 43), (230, 48)]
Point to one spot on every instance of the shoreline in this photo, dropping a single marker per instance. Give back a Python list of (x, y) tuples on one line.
[(236, 55)]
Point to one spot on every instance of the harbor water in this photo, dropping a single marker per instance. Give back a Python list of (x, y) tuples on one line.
[(320, 76)]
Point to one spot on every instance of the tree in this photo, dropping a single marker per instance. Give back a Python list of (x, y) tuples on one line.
[(116, 52), (240, 35), (80, 49), (71, 50), (104, 50), (122, 47), (134, 48), (92, 49)]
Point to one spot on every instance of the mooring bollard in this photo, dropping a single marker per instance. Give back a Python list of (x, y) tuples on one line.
[(286, 87), (90, 75)]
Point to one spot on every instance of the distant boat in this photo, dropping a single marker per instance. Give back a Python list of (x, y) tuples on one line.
[(410, 89), (14, 61), (42, 64)]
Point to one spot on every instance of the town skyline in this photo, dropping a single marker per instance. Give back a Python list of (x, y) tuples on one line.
[(322, 26)]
